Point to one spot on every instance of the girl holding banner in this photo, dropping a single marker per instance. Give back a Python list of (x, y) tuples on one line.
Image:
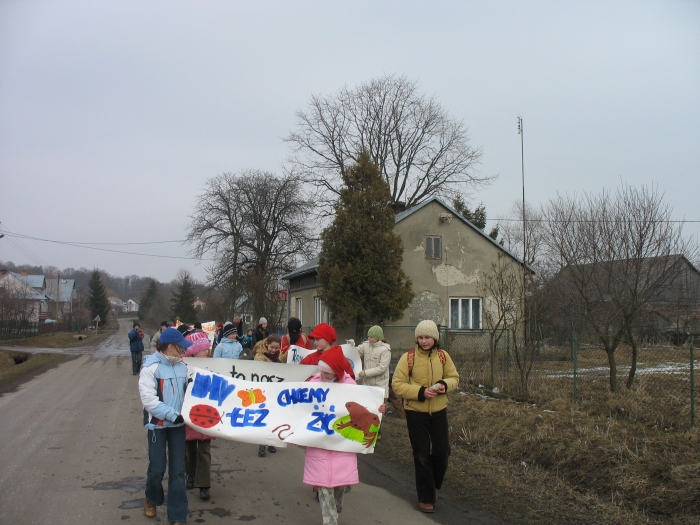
[(331, 471), (268, 350)]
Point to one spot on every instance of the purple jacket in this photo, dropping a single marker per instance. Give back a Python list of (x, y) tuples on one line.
[(330, 468)]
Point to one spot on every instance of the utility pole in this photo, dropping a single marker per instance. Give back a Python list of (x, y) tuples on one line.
[(522, 168), (58, 289)]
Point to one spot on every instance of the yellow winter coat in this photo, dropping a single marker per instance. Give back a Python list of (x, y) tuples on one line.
[(427, 370)]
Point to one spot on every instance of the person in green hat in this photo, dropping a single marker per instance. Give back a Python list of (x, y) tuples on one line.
[(376, 357)]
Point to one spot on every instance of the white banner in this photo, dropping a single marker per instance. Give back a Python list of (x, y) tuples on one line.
[(210, 329), (296, 354), (332, 416), (256, 371)]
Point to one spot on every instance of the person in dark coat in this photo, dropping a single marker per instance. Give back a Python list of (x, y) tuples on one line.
[(260, 331), (136, 347)]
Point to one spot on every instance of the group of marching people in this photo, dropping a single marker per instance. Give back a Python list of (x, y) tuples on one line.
[(422, 378)]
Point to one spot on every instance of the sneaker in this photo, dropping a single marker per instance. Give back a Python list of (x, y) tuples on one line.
[(204, 493), (261, 451), (272, 449), (189, 483), (149, 509)]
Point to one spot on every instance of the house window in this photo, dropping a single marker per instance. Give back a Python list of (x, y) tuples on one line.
[(299, 308), (433, 247), (320, 313), (465, 313)]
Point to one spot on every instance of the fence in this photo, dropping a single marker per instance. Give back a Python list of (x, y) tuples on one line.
[(17, 329), (22, 329), (552, 370)]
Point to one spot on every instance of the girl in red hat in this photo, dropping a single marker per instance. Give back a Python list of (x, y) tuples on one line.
[(324, 336), (331, 471)]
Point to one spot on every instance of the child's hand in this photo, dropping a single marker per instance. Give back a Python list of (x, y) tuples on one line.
[(382, 408), (429, 393)]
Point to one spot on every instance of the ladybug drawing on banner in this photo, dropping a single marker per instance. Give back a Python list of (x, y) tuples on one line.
[(204, 416)]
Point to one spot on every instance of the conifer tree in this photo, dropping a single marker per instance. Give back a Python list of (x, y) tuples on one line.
[(360, 261), (97, 298), (148, 299), (183, 298)]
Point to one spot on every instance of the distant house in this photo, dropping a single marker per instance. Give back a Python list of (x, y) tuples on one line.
[(444, 255), (132, 306), (118, 305), (19, 300), (61, 294), (199, 304)]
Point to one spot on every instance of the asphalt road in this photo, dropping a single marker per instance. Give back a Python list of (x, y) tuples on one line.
[(74, 452)]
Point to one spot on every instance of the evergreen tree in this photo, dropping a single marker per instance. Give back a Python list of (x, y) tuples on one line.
[(148, 299), (476, 217), (97, 298), (360, 261), (183, 297)]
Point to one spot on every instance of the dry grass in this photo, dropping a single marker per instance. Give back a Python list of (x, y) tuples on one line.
[(16, 366), (560, 464), (64, 340)]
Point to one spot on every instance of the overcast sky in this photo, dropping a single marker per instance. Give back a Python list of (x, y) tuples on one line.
[(114, 114)]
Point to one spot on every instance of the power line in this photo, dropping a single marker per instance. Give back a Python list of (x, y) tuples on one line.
[(79, 245), (22, 236), (590, 220)]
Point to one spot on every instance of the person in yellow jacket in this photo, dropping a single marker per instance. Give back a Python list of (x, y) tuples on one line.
[(422, 378)]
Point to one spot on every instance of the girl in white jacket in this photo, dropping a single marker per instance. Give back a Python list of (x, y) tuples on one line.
[(376, 357)]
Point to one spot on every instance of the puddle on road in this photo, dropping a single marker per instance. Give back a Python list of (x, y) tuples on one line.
[(131, 485), (132, 504)]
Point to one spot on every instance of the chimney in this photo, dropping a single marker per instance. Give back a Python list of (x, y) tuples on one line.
[(23, 273), (398, 206)]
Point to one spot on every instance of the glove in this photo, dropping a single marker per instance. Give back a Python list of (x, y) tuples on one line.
[(179, 419)]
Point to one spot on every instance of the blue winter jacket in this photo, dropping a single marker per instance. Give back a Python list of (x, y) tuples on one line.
[(162, 388), (135, 342), (228, 348)]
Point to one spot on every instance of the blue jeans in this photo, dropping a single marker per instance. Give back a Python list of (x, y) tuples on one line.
[(174, 438)]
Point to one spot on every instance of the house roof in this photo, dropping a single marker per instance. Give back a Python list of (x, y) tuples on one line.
[(65, 290), (35, 281), (311, 266), (28, 292)]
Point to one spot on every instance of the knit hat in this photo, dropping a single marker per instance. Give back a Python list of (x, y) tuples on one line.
[(200, 342), (262, 321), (376, 332), (136, 323), (334, 358), (230, 329), (293, 325), (427, 328), (324, 331)]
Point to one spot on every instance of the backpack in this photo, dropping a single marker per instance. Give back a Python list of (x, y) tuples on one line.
[(411, 358)]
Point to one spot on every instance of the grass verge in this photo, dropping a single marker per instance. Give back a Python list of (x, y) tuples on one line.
[(558, 465), (17, 367), (64, 340)]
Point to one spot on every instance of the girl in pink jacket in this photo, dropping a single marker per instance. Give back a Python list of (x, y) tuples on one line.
[(330, 470)]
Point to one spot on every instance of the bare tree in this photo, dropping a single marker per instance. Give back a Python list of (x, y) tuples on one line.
[(616, 254), (420, 150), (506, 311), (256, 226), (18, 301)]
